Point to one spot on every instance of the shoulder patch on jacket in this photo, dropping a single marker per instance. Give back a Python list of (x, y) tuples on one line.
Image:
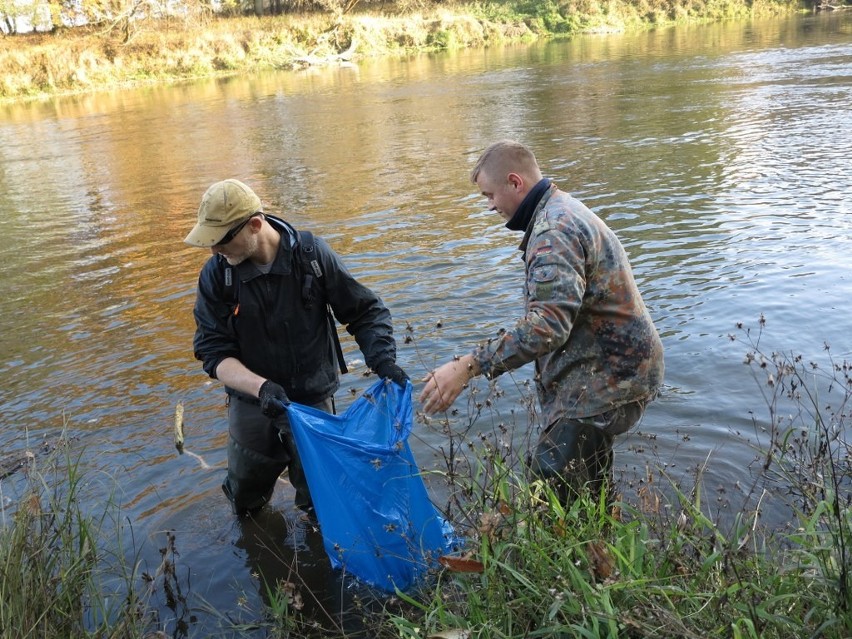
[(542, 273), (542, 250)]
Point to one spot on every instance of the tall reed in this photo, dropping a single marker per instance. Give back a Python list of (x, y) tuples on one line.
[(62, 571)]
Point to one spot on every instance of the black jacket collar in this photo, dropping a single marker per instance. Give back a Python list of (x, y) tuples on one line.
[(521, 219)]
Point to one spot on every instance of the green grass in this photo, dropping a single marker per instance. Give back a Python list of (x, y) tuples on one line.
[(61, 574)]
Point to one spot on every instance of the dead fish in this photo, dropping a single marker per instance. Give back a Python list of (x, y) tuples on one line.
[(179, 427)]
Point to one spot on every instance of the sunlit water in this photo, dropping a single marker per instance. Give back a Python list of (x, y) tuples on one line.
[(721, 155)]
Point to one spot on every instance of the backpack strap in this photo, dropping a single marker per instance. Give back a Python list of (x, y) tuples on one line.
[(311, 269), (231, 288), (311, 272)]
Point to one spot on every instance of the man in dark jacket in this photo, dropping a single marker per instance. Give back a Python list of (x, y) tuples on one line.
[(263, 330), (598, 356)]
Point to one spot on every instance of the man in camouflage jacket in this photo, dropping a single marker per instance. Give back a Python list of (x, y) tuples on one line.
[(598, 356)]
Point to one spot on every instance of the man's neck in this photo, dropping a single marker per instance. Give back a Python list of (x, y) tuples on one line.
[(267, 245)]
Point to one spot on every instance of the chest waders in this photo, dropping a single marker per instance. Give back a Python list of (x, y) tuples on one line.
[(575, 455)]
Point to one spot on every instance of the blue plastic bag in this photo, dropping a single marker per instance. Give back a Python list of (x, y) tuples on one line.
[(376, 517)]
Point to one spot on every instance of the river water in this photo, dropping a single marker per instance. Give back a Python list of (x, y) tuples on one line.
[(720, 154)]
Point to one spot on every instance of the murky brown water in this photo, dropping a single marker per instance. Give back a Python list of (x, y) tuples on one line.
[(722, 155)]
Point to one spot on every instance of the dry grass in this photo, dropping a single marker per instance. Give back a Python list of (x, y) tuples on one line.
[(84, 59)]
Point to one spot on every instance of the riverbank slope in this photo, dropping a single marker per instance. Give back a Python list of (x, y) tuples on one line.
[(84, 59)]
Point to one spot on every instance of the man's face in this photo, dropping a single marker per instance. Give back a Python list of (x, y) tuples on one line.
[(239, 249), (504, 194)]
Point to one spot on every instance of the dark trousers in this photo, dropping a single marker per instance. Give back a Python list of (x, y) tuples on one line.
[(259, 450), (573, 456)]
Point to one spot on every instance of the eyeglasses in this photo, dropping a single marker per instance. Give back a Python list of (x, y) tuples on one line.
[(231, 234)]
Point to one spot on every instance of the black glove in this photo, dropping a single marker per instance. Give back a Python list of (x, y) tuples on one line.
[(388, 369), (273, 399)]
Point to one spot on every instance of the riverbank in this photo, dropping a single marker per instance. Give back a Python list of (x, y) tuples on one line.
[(655, 562), (34, 66)]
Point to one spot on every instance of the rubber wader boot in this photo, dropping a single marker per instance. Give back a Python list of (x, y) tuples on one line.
[(572, 456), (251, 478), (296, 474)]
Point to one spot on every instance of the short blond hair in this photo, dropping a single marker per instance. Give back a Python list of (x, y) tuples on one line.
[(504, 157)]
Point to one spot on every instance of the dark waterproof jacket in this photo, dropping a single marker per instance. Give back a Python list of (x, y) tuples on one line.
[(274, 334)]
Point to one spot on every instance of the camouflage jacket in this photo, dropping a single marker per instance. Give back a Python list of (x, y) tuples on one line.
[(586, 327)]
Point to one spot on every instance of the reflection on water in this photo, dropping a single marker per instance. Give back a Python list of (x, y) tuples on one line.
[(720, 154), (288, 555)]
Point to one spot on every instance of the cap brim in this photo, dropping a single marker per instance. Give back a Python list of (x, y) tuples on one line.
[(206, 236)]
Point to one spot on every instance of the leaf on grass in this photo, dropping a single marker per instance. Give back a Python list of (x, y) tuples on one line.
[(600, 559), (649, 501), (615, 511), (489, 525), (461, 564)]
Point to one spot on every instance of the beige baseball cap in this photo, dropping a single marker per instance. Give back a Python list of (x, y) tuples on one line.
[(224, 205)]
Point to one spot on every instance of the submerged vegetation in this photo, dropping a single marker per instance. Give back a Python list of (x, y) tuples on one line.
[(658, 559), (127, 42)]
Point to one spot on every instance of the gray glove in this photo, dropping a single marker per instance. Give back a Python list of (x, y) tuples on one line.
[(273, 400), (388, 369)]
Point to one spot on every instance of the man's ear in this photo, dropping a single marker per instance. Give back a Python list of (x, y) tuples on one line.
[(516, 181)]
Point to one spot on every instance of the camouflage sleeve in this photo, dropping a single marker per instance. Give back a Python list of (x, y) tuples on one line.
[(554, 289)]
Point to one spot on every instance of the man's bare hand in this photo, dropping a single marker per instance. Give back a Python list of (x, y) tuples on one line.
[(444, 384)]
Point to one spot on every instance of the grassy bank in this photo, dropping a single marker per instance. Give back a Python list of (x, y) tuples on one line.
[(664, 559), (168, 50), (61, 574)]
